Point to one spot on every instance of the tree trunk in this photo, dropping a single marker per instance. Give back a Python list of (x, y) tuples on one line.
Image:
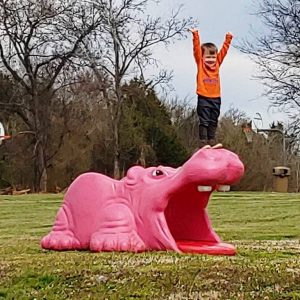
[(41, 170), (116, 130), (42, 125), (116, 150)]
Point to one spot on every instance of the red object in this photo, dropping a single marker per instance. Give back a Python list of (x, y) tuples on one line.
[(204, 247)]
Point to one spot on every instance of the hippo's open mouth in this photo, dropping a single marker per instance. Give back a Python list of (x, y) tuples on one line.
[(186, 214), (209, 169), (189, 224)]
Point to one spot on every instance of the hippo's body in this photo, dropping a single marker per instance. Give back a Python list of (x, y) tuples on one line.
[(157, 208)]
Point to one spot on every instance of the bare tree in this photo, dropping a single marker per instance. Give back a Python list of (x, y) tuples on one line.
[(277, 54), (125, 43), (38, 40)]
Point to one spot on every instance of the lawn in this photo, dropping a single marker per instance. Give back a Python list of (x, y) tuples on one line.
[(265, 227)]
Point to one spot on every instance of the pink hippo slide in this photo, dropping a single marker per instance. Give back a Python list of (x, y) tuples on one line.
[(155, 208)]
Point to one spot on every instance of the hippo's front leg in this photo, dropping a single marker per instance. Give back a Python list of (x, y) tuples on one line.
[(117, 231)]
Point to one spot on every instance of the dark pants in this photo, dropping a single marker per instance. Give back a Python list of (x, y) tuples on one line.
[(208, 110)]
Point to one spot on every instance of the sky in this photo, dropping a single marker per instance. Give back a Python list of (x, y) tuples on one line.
[(215, 18)]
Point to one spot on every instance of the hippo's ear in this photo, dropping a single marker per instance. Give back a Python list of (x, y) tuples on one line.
[(133, 174)]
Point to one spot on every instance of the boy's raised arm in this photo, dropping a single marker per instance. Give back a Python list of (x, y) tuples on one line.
[(222, 53), (196, 45)]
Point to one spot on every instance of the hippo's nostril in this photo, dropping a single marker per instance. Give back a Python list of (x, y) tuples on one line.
[(206, 147), (217, 146)]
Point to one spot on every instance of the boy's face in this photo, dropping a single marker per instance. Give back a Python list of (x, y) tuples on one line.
[(209, 57)]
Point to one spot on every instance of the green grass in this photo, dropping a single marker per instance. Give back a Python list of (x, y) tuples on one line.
[(265, 227)]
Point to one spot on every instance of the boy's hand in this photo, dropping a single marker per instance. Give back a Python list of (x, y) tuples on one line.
[(229, 33), (192, 30)]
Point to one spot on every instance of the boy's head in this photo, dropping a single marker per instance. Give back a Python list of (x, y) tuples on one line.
[(209, 52)]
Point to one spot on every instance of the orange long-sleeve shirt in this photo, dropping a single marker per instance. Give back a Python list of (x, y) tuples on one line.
[(208, 79)]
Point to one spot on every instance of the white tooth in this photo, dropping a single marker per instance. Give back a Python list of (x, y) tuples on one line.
[(223, 188), (204, 188)]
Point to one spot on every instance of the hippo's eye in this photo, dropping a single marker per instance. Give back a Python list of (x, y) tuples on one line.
[(156, 173)]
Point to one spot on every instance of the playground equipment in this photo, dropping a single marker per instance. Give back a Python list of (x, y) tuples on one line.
[(155, 208), (2, 134)]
